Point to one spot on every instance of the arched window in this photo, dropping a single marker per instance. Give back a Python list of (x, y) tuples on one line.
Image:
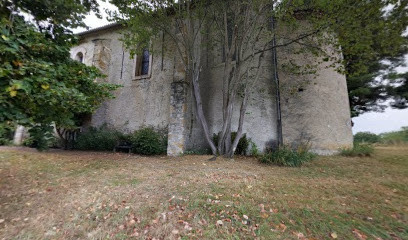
[(80, 57)]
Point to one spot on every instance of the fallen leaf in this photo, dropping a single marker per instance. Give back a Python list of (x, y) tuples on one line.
[(282, 227), (262, 208), (175, 231), (135, 233), (359, 235), (300, 235), (2, 220), (333, 235)]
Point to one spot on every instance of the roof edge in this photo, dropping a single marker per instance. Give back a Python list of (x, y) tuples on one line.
[(98, 29)]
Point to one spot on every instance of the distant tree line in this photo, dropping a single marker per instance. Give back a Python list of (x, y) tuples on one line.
[(394, 137)]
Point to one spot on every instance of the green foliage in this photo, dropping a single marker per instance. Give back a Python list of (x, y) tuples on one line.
[(98, 139), (147, 141), (6, 132), (399, 90), (367, 35), (366, 137), (358, 150), (40, 84), (41, 137), (253, 151), (397, 137), (285, 156), (56, 13), (242, 146)]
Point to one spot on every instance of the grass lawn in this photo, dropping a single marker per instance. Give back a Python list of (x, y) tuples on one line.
[(80, 195)]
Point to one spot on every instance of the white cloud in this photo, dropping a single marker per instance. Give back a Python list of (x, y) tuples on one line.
[(94, 22)]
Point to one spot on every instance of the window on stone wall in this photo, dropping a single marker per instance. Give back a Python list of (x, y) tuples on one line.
[(143, 65), (80, 57)]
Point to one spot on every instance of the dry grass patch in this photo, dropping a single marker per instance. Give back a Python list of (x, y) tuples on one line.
[(79, 195)]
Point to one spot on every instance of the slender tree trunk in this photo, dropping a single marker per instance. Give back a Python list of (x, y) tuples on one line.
[(244, 105), (200, 112)]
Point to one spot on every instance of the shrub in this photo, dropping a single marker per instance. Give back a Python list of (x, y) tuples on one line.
[(366, 137), (396, 137), (253, 151), (147, 141), (242, 146), (98, 139), (6, 133), (358, 150), (287, 157), (41, 137)]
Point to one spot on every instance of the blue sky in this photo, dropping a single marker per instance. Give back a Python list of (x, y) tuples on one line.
[(389, 120)]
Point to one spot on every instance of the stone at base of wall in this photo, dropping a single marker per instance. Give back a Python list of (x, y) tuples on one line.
[(19, 135)]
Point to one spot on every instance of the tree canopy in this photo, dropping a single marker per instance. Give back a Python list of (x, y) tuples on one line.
[(373, 44), (372, 36), (40, 83), (366, 32)]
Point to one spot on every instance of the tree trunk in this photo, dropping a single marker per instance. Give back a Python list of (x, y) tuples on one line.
[(200, 112), (244, 105)]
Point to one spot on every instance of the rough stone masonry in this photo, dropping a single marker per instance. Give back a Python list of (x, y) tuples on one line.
[(316, 113)]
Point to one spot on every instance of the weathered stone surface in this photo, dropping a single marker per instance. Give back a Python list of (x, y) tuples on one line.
[(177, 119), (320, 112)]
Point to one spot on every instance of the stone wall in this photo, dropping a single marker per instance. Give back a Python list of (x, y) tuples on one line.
[(315, 107), (139, 102), (318, 112)]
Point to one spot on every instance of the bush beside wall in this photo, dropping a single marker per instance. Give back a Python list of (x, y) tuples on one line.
[(98, 139), (242, 146), (358, 150), (6, 133), (147, 141), (286, 156)]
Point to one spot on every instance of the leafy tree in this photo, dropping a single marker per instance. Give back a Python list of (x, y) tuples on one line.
[(182, 21), (40, 84), (399, 90), (366, 137), (370, 34), (374, 45), (361, 35)]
